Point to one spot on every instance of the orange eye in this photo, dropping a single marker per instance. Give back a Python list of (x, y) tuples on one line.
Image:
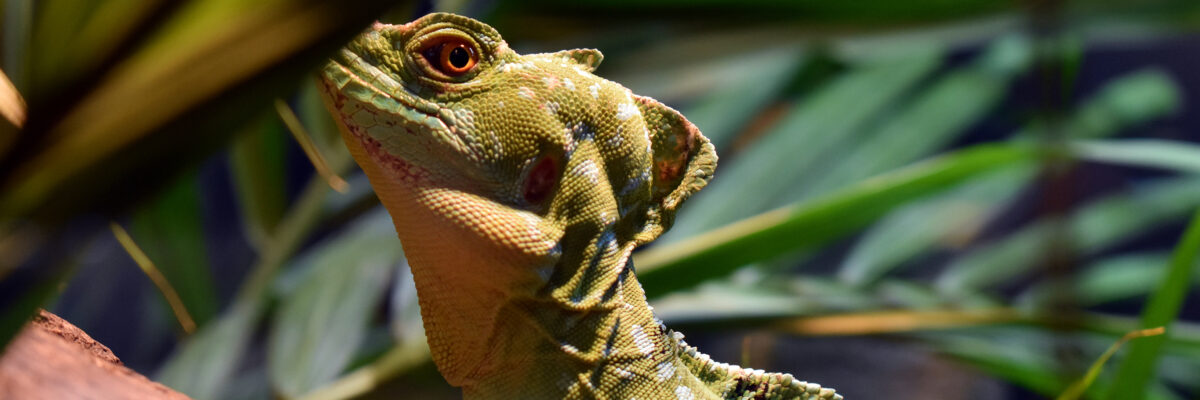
[(452, 57)]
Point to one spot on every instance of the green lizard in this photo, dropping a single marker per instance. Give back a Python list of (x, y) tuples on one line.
[(519, 185)]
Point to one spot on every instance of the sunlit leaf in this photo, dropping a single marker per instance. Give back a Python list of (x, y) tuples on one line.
[(796, 145), (872, 12), (1147, 153), (1094, 227), (210, 357), (18, 21), (1018, 356), (724, 112), (721, 303), (1076, 390), (935, 116), (951, 219), (663, 269), (324, 319), (1129, 99), (210, 67), (947, 220), (1138, 368), (200, 367), (1116, 278)]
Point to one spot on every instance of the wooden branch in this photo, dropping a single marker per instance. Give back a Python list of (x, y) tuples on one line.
[(52, 359)]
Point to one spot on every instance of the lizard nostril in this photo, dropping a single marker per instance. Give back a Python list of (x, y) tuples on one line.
[(541, 180)]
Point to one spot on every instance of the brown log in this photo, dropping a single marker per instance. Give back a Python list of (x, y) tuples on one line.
[(52, 359)]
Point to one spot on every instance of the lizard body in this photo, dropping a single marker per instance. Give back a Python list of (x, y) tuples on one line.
[(519, 185)]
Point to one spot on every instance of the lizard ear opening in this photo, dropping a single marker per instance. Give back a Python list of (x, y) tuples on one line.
[(589, 59), (683, 163)]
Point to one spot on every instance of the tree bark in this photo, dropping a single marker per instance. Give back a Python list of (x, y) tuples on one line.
[(52, 359)]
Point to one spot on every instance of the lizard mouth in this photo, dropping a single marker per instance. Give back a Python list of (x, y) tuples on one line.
[(352, 76), (354, 85), (346, 84)]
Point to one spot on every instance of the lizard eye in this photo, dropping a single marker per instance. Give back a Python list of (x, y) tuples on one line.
[(453, 56)]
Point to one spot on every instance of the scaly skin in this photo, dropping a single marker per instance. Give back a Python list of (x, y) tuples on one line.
[(519, 186)]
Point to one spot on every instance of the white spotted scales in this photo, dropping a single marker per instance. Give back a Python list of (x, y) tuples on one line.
[(519, 186)]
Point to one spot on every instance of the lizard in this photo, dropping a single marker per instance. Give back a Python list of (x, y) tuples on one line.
[(519, 186)]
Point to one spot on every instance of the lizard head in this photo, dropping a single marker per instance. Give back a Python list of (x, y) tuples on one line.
[(506, 175)]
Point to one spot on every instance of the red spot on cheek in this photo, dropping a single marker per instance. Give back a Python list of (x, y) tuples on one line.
[(541, 180)]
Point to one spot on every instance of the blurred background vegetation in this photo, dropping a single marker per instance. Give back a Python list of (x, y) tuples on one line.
[(923, 199)]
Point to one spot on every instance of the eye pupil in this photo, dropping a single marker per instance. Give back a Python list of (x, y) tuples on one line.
[(459, 57)]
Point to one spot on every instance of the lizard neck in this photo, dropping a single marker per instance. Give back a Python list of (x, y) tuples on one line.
[(588, 333), (461, 285), (465, 286), (609, 345)]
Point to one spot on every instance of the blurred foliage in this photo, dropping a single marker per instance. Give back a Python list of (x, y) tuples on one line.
[(894, 168)]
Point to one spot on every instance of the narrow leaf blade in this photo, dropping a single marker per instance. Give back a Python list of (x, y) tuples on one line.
[(1137, 369), (667, 268)]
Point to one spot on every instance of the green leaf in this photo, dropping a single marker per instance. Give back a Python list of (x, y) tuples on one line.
[(1127, 100), (1022, 357), (159, 86), (918, 228), (201, 366), (933, 117), (909, 294), (170, 232), (828, 119), (724, 304), (1150, 153), (408, 346), (947, 220), (663, 269), (406, 325), (257, 165), (206, 360), (758, 79), (1094, 227), (1016, 356), (18, 21), (870, 11), (124, 95), (1180, 369), (325, 318), (1137, 369), (318, 121), (1107, 221), (199, 71), (1077, 388), (1120, 277), (75, 40)]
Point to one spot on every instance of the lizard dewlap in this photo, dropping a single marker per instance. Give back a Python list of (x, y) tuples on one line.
[(519, 185)]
